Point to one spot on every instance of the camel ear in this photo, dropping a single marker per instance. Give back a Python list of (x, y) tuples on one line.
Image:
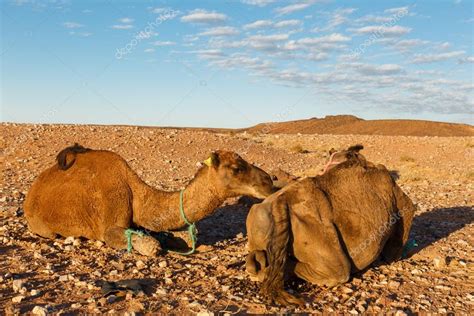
[(356, 148), (212, 161)]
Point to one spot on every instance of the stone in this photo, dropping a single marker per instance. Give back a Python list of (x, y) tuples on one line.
[(18, 299), (439, 262), (111, 299), (163, 264), (69, 241), (393, 285), (160, 291), (346, 290), (140, 264), (39, 310), (18, 285)]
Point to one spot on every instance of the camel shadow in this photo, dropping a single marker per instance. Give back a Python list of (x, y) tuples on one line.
[(431, 226), (226, 223)]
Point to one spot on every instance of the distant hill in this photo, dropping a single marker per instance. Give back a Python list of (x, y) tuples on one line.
[(349, 124)]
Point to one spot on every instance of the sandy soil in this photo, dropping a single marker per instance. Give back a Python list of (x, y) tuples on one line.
[(61, 276)]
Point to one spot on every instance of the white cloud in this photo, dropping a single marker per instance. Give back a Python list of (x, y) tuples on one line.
[(209, 53), (376, 70), (332, 38), (220, 31), (466, 60), (375, 19), (258, 24), (406, 45), (204, 17), (126, 20), (122, 26), (431, 58), (163, 43), (158, 10), (382, 30), (72, 25), (267, 24), (149, 50), (287, 23), (399, 10), (294, 7), (260, 3), (80, 34), (269, 38)]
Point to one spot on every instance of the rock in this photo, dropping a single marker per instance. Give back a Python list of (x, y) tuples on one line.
[(439, 262), (161, 291), (346, 290), (17, 299), (393, 285), (205, 313), (18, 285), (34, 292), (39, 310), (69, 241), (140, 264), (111, 299), (163, 264)]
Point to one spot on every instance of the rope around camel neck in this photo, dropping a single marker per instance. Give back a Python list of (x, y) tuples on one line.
[(192, 231)]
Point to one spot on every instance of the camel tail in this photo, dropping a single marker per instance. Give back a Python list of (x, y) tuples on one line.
[(67, 156), (277, 253)]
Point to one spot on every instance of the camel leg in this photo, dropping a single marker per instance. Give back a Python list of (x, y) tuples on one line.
[(393, 248), (41, 230), (323, 274), (144, 245), (256, 265), (317, 244)]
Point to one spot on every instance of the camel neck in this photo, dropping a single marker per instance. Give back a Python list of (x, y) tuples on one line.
[(160, 210)]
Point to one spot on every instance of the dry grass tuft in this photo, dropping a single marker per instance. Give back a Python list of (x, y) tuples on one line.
[(299, 149), (407, 159), (470, 175)]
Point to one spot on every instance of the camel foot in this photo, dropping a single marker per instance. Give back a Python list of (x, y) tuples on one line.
[(284, 298), (146, 245)]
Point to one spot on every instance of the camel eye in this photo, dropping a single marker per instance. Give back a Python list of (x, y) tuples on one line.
[(237, 169)]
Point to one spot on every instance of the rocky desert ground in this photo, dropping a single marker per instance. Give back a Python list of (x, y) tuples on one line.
[(63, 276)]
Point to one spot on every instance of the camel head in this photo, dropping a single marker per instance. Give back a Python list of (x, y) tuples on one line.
[(337, 157), (233, 176)]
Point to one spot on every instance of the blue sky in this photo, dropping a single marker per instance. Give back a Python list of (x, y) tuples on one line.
[(235, 63)]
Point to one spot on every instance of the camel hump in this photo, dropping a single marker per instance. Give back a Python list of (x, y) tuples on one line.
[(67, 156)]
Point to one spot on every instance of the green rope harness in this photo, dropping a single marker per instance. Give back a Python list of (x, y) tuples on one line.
[(192, 231), (128, 234), (411, 244)]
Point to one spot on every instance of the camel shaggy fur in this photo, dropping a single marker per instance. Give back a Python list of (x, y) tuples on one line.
[(96, 195), (326, 227)]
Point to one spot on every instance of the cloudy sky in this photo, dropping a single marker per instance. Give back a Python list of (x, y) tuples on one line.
[(235, 63)]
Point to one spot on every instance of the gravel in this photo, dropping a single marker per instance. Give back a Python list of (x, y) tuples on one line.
[(435, 172)]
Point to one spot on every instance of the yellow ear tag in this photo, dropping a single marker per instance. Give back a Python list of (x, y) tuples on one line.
[(208, 162)]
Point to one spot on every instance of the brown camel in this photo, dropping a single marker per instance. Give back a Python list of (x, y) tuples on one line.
[(328, 226), (96, 195)]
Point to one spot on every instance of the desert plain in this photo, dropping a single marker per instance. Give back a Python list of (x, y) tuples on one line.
[(63, 275)]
